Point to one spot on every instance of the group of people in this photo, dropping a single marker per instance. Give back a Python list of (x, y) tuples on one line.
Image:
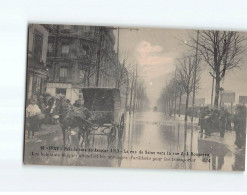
[(43, 109), (38, 111), (213, 120)]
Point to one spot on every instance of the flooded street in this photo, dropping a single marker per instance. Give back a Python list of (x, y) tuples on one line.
[(150, 140), (169, 142)]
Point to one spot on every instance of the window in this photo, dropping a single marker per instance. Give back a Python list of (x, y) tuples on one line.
[(30, 87), (38, 84), (63, 73), (50, 71), (83, 51), (86, 28), (65, 49), (66, 27), (37, 49), (50, 47), (61, 91), (82, 74)]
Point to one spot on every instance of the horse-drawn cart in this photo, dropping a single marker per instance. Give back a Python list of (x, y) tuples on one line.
[(107, 116), (100, 117)]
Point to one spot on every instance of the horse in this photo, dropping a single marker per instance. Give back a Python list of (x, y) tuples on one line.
[(70, 118)]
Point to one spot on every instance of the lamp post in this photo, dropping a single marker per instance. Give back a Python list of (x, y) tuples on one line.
[(221, 93)]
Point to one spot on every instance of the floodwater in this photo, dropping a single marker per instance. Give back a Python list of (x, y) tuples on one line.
[(169, 143), (150, 140)]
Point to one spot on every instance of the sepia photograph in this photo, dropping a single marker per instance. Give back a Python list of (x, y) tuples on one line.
[(118, 96)]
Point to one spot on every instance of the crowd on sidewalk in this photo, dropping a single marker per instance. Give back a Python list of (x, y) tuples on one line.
[(220, 121)]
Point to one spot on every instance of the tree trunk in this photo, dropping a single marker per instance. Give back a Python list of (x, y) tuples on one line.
[(169, 107), (217, 90), (179, 106), (126, 97), (175, 109), (186, 107), (131, 99), (172, 107)]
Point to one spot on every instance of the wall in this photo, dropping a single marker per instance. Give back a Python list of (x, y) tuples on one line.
[(44, 32)]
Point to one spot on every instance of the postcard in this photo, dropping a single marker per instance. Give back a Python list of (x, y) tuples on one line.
[(113, 96)]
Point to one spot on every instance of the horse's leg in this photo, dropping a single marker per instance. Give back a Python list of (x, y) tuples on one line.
[(85, 137), (80, 140), (64, 136), (80, 136), (69, 135)]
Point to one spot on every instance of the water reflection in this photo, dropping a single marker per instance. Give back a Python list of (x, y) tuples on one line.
[(152, 132), (216, 150), (191, 145)]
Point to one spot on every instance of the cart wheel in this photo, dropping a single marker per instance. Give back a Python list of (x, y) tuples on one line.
[(121, 127), (111, 136)]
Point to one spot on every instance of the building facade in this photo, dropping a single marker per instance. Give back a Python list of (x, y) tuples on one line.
[(37, 73), (78, 57)]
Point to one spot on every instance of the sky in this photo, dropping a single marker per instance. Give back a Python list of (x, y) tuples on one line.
[(155, 51)]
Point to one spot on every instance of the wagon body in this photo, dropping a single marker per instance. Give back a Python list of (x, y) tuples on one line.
[(107, 114), (104, 103)]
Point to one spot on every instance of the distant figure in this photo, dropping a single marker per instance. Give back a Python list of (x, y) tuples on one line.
[(228, 121), (48, 114), (32, 113), (155, 109), (222, 122), (204, 118), (201, 118), (240, 125), (41, 103)]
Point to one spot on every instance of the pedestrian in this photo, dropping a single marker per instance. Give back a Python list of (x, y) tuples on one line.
[(222, 122), (41, 103), (200, 114), (201, 119), (228, 121), (48, 113), (208, 123), (240, 125), (32, 114)]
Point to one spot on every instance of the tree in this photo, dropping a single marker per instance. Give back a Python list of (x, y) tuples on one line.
[(121, 70), (185, 79), (168, 95), (180, 92), (222, 51), (142, 101), (91, 67)]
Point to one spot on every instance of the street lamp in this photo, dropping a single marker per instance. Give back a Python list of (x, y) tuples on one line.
[(221, 93)]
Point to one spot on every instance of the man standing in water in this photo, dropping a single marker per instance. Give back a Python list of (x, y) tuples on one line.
[(240, 125), (222, 122)]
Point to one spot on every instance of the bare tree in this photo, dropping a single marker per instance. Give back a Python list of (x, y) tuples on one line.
[(222, 51), (121, 71), (142, 101), (180, 92), (91, 67), (168, 96), (185, 79)]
